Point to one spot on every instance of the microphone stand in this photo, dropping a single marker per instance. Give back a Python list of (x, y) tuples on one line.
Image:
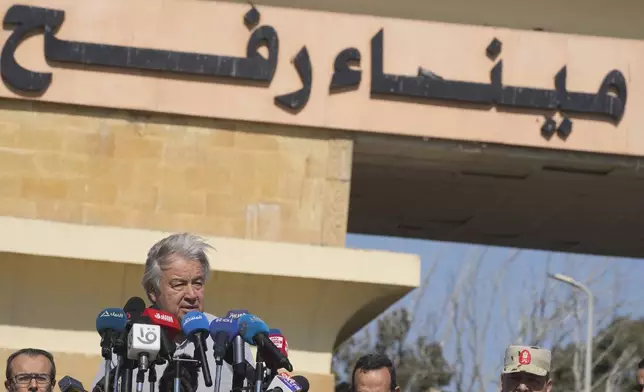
[(107, 354), (219, 362), (126, 381), (239, 364), (259, 372), (152, 377), (177, 378), (117, 377)]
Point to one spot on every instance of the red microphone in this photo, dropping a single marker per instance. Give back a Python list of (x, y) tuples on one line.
[(165, 320), (275, 335)]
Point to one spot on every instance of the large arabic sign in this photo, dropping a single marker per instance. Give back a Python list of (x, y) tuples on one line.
[(346, 72)]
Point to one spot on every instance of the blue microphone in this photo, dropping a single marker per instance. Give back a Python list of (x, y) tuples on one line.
[(195, 324), (110, 324), (255, 332), (222, 332), (113, 319)]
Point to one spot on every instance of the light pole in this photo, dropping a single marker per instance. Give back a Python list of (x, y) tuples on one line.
[(589, 331)]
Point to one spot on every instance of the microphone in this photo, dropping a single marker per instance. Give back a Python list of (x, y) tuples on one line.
[(238, 353), (110, 324), (255, 332), (275, 335), (69, 384), (168, 322), (195, 325), (133, 309), (222, 331), (170, 328), (286, 384), (303, 382)]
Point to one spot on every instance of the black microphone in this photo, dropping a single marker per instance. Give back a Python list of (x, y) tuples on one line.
[(69, 384), (134, 308), (302, 382)]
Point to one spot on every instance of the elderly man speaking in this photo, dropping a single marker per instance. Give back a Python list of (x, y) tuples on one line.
[(176, 271)]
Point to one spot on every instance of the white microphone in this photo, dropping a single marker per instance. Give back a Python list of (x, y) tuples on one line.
[(143, 345), (281, 383)]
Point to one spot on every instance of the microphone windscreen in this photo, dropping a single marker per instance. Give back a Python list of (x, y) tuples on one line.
[(69, 384), (111, 318), (249, 326), (226, 325), (162, 318), (134, 305), (302, 382), (194, 321)]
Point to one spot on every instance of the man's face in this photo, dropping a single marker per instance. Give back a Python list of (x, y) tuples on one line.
[(525, 382), (30, 374), (640, 376), (373, 381), (180, 288)]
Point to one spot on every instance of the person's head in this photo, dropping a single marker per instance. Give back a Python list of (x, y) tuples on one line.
[(640, 374), (526, 369), (374, 373), (176, 270), (30, 369)]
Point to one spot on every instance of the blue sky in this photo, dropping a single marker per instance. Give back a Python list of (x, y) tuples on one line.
[(499, 285)]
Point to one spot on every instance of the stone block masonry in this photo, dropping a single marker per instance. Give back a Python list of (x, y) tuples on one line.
[(220, 178)]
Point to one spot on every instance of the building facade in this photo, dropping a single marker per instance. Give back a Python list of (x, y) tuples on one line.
[(275, 129)]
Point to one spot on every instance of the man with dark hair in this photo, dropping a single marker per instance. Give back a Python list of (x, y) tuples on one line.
[(374, 373), (30, 369), (526, 369), (639, 375)]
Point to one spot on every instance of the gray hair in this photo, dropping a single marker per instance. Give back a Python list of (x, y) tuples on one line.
[(184, 245)]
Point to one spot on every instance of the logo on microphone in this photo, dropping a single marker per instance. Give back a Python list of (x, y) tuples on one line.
[(223, 320), (189, 319), (278, 341), (290, 383), (147, 335), (112, 314), (236, 313), (164, 317)]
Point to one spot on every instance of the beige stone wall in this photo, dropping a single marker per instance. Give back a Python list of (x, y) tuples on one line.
[(106, 167)]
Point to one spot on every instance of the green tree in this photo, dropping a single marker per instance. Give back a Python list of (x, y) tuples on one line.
[(617, 349), (420, 365)]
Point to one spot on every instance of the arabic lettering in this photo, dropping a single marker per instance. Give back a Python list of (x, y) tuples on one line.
[(609, 101), (29, 20), (431, 86), (343, 76), (296, 100)]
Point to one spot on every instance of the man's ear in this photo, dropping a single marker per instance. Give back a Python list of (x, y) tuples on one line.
[(53, 383), (7, 385), (548, 386), (397, 389)]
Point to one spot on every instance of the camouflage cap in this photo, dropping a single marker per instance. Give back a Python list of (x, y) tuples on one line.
[(529, 359)]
